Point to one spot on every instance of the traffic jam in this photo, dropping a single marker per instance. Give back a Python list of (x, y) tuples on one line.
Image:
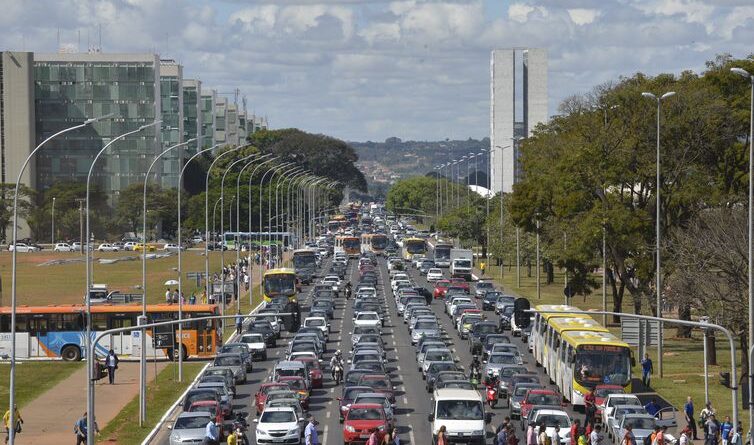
[(396, 344)]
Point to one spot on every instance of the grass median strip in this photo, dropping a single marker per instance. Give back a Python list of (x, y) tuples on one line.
[(34, 378), (124, 429)]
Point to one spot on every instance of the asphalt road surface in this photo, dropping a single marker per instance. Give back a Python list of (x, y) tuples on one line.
[(412, 399)]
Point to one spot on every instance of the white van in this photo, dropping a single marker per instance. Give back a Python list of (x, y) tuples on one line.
[(462, 413)]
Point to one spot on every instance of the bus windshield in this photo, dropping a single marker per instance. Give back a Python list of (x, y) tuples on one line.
[(279, 284), (379, 242), (602, 364), (351, 243), (415, 247), (304, 260), (442, 252)]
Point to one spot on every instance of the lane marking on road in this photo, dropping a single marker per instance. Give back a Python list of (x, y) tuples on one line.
[(398, 368), (411, 435), (327, 414), (324, 434), (332, 390), (405, 400)]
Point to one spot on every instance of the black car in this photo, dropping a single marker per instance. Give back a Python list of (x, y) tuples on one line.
[(424, 292), (478, 333), (266, 330), (434, 371), (326, 306), (489, 300)]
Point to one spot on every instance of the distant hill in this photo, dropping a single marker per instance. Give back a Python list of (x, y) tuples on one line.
[(385, 162)]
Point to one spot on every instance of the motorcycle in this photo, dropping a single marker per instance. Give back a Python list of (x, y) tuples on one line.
[(475, 377), (491, 393), (241, 425), (337, 373)]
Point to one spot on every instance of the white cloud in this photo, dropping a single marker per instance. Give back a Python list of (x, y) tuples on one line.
[(519, 12), (581, 16)]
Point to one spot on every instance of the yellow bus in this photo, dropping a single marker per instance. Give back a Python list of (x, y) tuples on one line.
[(542, 315), (586, 359), (414, 246), (350, 245), (374, 242), (557, 326), (279, 282)]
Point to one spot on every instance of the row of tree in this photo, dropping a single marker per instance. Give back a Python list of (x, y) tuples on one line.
[(591, 171), (321, 155)]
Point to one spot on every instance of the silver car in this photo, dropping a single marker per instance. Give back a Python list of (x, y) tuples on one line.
[(235, 362), (425, 328), (189, 427), (497, 360)]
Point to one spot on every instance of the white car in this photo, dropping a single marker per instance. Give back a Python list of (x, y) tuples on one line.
[(371, 319), (434, 274), (129, 245), (319, 323), (333, 281), (256, 345), (169, 247), (21, 247), (550, 418), (105, 247), (278, 424), (62, 247)]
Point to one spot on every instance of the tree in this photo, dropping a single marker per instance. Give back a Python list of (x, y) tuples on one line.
[(467, 222), (67, 217), (161, 207), (25, 200)]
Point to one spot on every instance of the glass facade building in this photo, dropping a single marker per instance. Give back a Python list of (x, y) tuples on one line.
[(207, 109), (171, 104), (221, 120), (192, 127), (69, 88)]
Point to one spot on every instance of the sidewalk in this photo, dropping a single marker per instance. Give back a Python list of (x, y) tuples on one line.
[(50, 417)]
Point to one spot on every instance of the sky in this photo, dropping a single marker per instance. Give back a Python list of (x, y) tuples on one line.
[(371, 69)]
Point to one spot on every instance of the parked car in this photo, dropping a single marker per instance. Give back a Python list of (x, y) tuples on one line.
[(106, 247), (23, 248)]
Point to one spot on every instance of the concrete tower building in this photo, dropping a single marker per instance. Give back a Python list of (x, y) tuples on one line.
[(505, 128)]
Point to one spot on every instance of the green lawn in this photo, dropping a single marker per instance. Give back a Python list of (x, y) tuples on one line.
[(32, 379), (161, 393), (682, 358)]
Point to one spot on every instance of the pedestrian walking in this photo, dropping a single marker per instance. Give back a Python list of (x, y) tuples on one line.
[(684, 438), (542, 437), (646, 370), (81, 429), (688, 413), (192, 298), (18, 420), (204, 296), (590, 407), (738, 436), (310, 433), (652, 407), (531, 435), (711, 430), (706, 412), (628, 437), (726, 431), (555, 435), (482, 267), (239, 323), (168, 296), (511, 436), (442, 438), (595, 438), (111, 361), (211, 433), (575, 427)]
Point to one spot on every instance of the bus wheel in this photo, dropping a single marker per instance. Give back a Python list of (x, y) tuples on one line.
[(71, 353), (174, 353)]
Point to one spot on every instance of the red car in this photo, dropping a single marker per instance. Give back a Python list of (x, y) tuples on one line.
[(362, 419), (539, 397), (298, 385), (600, 394), (315, 371), (208, 406), (379, 383), (460, 282), (260, 398), (440, 287)]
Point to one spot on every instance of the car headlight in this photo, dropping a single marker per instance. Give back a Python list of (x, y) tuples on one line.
[(343, 408), (516, 405), (176, 437), (261, 431), (350, 429), (477, 432), (293, 431)]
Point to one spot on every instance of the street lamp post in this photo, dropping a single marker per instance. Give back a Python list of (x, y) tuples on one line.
[(658, 278), (90, 360), (251, 179), (12, 376), (52, 230), (143, 355), (750, 77)]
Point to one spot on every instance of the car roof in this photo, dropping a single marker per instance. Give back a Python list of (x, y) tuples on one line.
[(558, 412), (457, 394), (365, 406), (280, 408), (194, 414)]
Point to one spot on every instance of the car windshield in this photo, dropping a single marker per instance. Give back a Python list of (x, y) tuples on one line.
[(184, 423), (203, 395), (459, 410), (363, 357), (484, 285), (365, 414), (438, 356), (303, 260), (365, 330), (508, 310), (511, 371), (375, 383), (376, 400), (597, 364), (544, 399), (469, 319), (460, 384), (252, 338), (550, 420), (425, 325), (604, 392), (227, 361), (315, 322), (203, 408), (277, 417), (463, 263), (492, 339), (505, 359), (280, 284), (490, 296), (485, 329), (521, 391), (351, 393), (640, 423), (441, 366), (368, 317), (232, 348)]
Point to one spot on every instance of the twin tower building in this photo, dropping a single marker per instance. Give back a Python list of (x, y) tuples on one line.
[(516, 107)]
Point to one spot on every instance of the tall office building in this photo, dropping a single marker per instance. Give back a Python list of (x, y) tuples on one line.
[(207, 109), (192, 116), (221, 120), (505, 128), (71, 87), (231, 133), (171, 104)]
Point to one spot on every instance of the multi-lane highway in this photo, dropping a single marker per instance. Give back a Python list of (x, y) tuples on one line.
[(412, 399)]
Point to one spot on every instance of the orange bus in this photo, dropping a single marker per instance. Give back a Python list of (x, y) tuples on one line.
[(59, 331), (350, 245)]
